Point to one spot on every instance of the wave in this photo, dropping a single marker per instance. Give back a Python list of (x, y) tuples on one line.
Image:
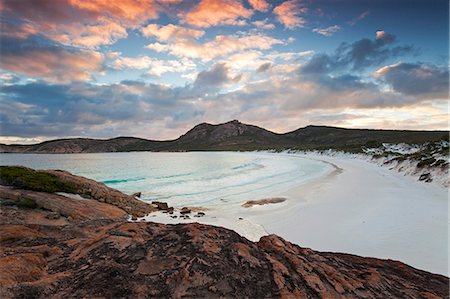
[(118, 181)]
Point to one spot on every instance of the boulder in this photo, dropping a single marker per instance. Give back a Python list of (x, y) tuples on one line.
[(185, 211), (163, 206), (426, 177)]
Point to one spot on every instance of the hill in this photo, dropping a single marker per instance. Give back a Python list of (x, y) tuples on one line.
[(235, 135)]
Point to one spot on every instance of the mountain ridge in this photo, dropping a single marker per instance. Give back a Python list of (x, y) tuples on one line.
[(234, 135)]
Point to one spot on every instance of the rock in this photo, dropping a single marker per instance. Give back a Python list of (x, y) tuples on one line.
[(185, 211), (161, 205), (137, 195), (134, 218), (53, 216), (72, 209), (426, 177), (100, 192), (110, 258), (200, 214), (119, 233), (264, 201), (169, 210)]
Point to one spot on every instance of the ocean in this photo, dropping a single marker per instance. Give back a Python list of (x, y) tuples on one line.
[(204, 179)]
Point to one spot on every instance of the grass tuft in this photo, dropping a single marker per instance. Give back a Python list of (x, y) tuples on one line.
[(25, 178)]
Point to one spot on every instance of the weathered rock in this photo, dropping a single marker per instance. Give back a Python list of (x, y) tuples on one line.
[(114, 259), (426, 177), (73, 209), (185, 211), (163, 206), (264, 201), (100, 192), (200, 214), (137, 194), (53, 216)]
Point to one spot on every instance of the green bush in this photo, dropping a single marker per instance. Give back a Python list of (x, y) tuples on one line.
[(26, 203), (25, 178)]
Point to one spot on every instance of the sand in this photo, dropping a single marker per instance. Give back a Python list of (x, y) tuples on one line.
[(359, 208)]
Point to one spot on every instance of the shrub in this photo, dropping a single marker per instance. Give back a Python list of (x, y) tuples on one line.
[(426, 162), (26, 203), (25, 178)]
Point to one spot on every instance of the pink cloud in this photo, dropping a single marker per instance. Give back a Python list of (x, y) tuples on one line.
[(260, 5), (288, 13), (221, 45), (217, 12), (53, 64), (171, 32), (84, 23)]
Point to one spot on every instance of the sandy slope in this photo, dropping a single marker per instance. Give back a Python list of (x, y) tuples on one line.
[(361, 208)]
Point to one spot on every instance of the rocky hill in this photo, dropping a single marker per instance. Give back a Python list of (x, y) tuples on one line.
[(225, 136), (235, 135), (69, 247)]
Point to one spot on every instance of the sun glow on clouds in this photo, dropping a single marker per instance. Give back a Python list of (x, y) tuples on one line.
[(102, 69)]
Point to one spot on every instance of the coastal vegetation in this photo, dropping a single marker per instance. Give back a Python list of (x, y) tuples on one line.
[(25, 178)]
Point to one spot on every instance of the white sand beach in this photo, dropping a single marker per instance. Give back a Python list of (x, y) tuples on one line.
[(359, 208)]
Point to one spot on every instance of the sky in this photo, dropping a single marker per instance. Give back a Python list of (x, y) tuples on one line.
[(156, 68)]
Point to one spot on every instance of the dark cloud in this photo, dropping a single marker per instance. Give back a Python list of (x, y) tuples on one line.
[(264, 67), (366, 52), (416, 79), (83, 109), (357, 56), (47, 11), (217, 76)]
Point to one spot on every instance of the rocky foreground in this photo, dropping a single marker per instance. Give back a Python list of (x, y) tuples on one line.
[(64, 247)]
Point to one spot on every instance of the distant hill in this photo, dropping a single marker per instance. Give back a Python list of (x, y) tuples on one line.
[(235, 135)]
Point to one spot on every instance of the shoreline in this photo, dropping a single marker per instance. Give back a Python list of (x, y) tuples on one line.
[(359, 208), (368, 210)]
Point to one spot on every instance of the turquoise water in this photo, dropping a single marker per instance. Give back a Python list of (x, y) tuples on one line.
[(194, 178)]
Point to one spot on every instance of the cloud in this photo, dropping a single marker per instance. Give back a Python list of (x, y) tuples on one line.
[(356, 20), (171, 32), (358, 55), (217, 76), (289, 55), (221, 45), (264, 67), (49, 61), (264, 24), (216, 12), (415, 79), (8, 78), (289, 13), (366, 52), (81, 23), (260, 5), (329, 31), (83, 109), (153, 66)]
